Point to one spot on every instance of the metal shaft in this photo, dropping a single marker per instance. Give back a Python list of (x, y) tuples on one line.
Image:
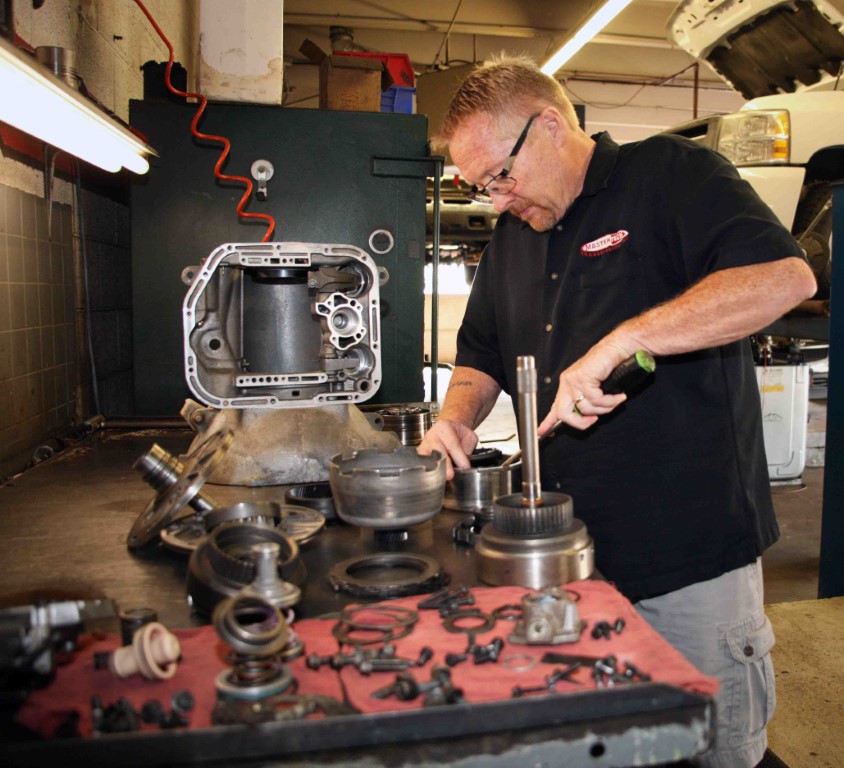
[(526, 387), (162, 471)]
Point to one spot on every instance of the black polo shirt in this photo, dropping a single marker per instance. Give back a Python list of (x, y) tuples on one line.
[(673, 485)]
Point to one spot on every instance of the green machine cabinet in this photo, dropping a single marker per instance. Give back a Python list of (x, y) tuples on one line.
[(323, 190)]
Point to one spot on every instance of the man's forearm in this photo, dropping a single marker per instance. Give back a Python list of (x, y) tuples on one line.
[(723, 307), (470, 397)]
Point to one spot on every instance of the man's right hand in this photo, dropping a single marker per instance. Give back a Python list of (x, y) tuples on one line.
[(453, 440)]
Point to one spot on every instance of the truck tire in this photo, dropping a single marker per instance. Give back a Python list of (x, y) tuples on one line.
[(814, 233)]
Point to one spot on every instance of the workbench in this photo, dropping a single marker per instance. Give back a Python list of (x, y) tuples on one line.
[(63, 529)]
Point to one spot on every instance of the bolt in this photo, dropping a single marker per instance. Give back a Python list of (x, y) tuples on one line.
[(97, 713), (367, 666), (182, 700), (174, 719), (442, 596), (550, 683), (404, 688), (441, 690), (314, 661), (634, 673), (488, 652)]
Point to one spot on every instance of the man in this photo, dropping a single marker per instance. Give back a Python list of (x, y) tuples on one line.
[(601, 250)]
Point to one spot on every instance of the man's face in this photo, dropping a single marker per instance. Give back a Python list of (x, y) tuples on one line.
[(481, 152)]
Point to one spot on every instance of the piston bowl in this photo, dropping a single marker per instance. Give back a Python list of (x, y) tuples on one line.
[(387, 489)]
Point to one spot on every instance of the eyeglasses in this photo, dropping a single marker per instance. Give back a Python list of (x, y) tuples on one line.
[(502, 182)]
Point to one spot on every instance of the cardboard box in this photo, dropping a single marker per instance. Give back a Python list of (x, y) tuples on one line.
[(345, 82), (356, 87)]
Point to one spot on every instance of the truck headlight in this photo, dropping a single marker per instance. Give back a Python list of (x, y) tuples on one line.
[(755, 137)]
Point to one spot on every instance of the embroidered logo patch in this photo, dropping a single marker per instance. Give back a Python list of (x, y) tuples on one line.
[(605, 244)]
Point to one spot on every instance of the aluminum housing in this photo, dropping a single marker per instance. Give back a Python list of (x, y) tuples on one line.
[(283, 325)]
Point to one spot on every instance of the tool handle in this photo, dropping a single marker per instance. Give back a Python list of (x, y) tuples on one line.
[(624, 377), (629, 373)]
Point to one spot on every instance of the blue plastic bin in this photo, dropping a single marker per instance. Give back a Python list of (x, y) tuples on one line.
[(399, 98)]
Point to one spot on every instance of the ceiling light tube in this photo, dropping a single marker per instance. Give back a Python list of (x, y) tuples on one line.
[(33, 100), (603, 16)]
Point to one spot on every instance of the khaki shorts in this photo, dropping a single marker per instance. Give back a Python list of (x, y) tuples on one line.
[(720, 626)]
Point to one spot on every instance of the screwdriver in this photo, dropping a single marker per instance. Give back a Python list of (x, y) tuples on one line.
[(625, 376)]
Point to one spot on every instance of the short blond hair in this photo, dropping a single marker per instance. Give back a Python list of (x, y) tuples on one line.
[(507, 88)]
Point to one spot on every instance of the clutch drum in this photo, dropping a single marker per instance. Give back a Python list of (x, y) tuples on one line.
[(534, 546), (475, 489)]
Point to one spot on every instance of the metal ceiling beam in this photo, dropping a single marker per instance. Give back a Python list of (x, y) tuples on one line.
[(462, 27), (635, 41), (418, 25)]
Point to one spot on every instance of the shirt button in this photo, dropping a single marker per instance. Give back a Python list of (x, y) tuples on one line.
[(559, 227), (554, 275), (748, 650), (547, 379), (548, 327)]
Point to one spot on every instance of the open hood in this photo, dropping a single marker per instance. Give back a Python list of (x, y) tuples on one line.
[(763, 47)]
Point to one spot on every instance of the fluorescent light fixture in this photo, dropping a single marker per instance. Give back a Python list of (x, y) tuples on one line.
[(34, 100), (603, 16)]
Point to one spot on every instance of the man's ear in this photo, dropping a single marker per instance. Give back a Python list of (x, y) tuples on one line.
[(555, 124)]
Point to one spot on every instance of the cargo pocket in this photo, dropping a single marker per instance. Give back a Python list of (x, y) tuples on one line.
[(751, 695)]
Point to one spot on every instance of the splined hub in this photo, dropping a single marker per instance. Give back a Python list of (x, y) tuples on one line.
[(552, 515)]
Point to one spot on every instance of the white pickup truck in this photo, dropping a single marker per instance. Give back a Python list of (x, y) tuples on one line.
[(788, 140)]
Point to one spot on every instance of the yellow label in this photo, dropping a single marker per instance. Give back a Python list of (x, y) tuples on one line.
[(773, 388)]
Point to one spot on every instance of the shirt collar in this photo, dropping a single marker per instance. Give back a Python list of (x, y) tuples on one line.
[(601, 165), (599, 171)]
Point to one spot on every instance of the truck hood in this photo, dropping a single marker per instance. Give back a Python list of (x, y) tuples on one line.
[(763, 47)]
